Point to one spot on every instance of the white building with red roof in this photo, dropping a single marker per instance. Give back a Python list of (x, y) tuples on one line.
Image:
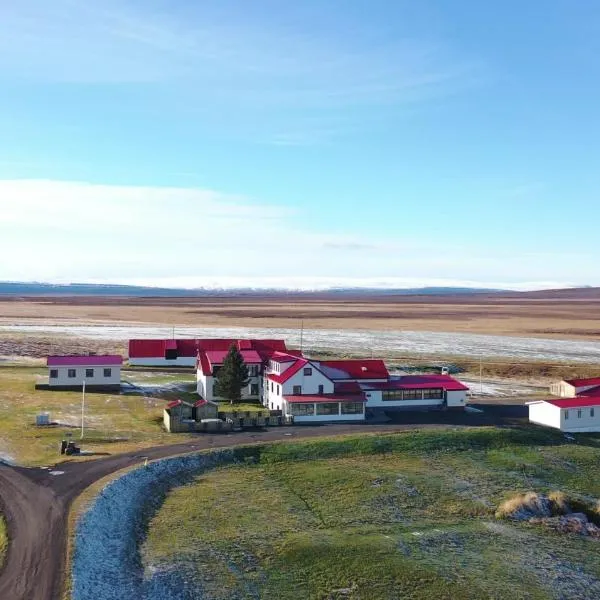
[(577, 410), (343, 390), (184, 352), (99, 371), (210, 358)]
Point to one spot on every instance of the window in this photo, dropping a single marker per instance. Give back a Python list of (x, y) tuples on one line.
[(171, 355), (89, 373), (579, 413), (329, 408), (297, 391), (278, 390), (272, 386), (566, 415), (303, 410), (391, 395), (352, 408), (321, 390), (72, 373), (254, 389), (253, 370), (591, 412), (107, 372), (307, 371), (434, 394), (54, 374)]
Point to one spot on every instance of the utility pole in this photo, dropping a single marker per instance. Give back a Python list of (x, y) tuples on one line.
[(82, 409), (481, 374), (302, 336)]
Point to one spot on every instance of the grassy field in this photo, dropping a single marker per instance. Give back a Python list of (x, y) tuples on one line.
[(114, 423), (545, 315), (3, 539), (406, 516)]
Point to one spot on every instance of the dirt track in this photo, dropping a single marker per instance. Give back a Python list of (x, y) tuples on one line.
[(36, 503)]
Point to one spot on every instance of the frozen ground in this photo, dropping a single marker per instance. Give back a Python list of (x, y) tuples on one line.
[(377, 342)]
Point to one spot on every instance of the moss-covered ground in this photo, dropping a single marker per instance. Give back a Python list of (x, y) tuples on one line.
[(405, 516)]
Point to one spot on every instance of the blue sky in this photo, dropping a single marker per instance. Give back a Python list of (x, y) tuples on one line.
[(303, 144)]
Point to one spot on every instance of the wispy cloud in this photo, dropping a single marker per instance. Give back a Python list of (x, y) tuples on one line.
[(227, 56), (72, 231)]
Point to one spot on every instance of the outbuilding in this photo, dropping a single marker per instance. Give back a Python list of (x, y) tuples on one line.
[(99, 371), (571, 415)]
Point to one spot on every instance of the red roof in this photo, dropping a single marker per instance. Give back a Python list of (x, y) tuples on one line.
[(325, 398), (358, 369), (289, 372), (174, 404), (419, 382), (216, 357), (348, 387), (574, 402), (94, 360), (189, 348), (584, 382)]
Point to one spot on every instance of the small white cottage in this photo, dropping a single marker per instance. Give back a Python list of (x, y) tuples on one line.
[(98, 372), (571, 415)]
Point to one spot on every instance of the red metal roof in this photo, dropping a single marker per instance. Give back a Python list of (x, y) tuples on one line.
[(94, 360), (348, 387), (359, 369), (418, 382), (325, 398), (189, 348), (174, 404), (289, 372), (584, 382), (574, 402), (216, 357)]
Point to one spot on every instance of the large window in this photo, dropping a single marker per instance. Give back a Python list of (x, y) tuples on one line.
[(328, 408), (297, 390), (54, 374), (72, 373), (303, 410), (89, 373), (252, 370), (426, 394), (254, 389), (352, 408)]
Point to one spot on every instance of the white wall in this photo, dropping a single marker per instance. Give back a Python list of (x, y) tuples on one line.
[(63, 379), (575, 423), (309, 383), (544, 413), (182, 361), (456, 398), (205, 387)]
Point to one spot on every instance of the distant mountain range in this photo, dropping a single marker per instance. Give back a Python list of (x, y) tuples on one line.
[(84, 289)]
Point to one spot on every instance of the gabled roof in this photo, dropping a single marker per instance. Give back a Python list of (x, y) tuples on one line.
[(583, 382), (419, 382), (94, 360), (581, 402), (189, 348), (300, 363), (355, 369), (216, 357), (202, 402), (347, 387)]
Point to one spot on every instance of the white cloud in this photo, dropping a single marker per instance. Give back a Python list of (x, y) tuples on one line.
[(72, 231)]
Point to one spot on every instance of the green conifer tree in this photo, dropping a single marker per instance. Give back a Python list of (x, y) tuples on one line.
[(232, 377)]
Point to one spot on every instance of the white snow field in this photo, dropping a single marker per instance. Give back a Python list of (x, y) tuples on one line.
[(369, 341)]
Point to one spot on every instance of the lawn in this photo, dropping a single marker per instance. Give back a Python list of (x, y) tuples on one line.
[(410, 516), (114, 423)]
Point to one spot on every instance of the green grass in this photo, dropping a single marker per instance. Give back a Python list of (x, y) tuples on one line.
[(3, 540), (377, 517), (114, 423)]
